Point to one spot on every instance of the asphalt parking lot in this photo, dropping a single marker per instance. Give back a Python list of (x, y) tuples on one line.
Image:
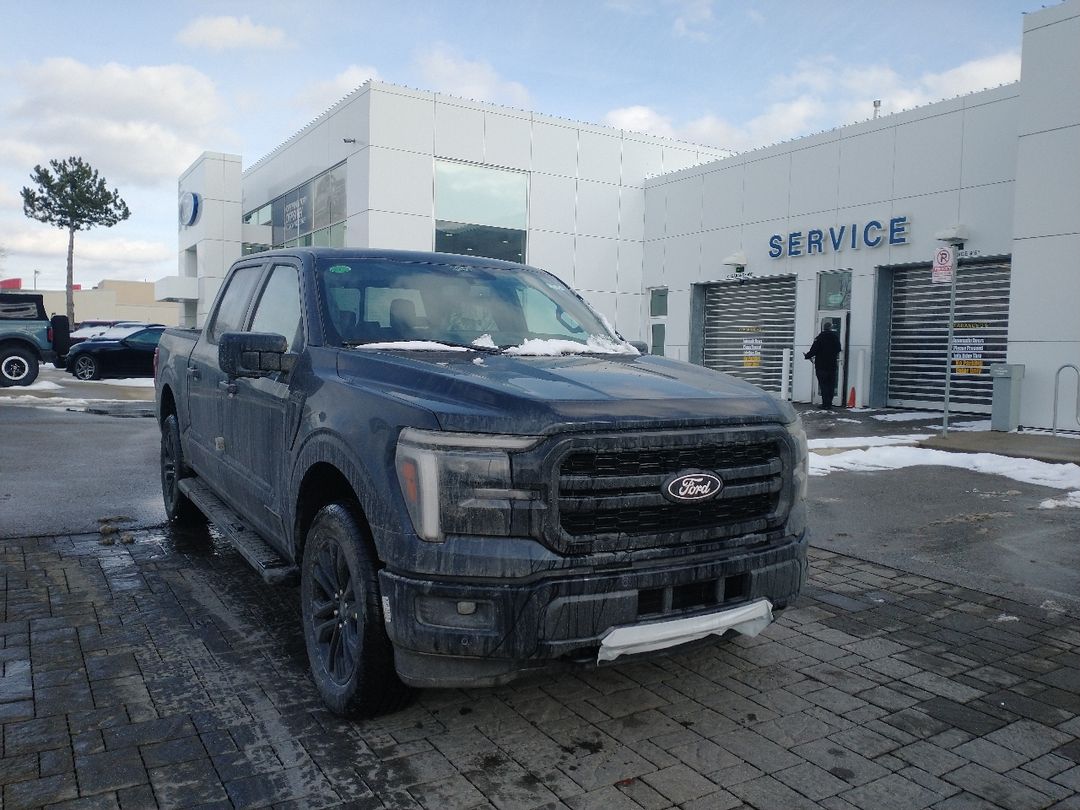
[(148, 668)]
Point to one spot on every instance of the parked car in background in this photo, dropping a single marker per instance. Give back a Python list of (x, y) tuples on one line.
[(89, 330), (28, 337), (119, 352)]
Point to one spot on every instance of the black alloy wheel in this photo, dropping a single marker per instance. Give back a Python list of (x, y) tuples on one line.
[(333, 612), (178, 507), (86, 368), (351, 657)]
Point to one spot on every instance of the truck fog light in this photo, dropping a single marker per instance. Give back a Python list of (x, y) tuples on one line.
[(440, 611)]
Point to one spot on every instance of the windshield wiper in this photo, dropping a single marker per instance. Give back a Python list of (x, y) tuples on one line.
[(352, 344)]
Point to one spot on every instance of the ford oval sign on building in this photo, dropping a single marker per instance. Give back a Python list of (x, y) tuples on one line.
[(692, 486), (190, 203)]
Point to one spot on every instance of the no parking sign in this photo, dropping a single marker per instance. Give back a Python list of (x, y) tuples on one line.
[(944, 265)]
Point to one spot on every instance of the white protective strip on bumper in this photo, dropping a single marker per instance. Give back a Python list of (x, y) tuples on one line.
[(749, 619)]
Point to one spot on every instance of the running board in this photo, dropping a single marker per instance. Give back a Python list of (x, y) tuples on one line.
[(272, 567)]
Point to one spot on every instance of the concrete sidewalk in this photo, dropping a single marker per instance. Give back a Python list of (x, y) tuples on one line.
[(1063, 449)]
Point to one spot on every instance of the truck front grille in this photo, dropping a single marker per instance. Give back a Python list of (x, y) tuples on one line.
[(610, 496)]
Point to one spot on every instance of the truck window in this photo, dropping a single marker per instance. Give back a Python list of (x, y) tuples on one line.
[(278, 310), (233, 305)]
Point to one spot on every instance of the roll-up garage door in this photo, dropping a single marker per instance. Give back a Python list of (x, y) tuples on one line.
[(748, 324), (918, 341)]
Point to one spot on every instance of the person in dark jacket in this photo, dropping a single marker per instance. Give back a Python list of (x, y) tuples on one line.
[(824, 351)]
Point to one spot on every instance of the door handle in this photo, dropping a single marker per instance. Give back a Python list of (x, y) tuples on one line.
[(193, 373), (228, 387)]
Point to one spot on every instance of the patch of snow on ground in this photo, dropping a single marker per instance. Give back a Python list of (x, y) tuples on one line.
[(130, 382), (1025, 470), (57, 403), (43, 385), (1071, 499), (904, 417), (866, 441), (977, 426)]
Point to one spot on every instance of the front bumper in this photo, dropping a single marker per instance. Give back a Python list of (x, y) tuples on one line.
[(488, 632)]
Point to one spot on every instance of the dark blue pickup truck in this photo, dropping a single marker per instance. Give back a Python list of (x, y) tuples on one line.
[(473, 475)]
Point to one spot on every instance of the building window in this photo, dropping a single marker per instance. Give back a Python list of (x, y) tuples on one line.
[(659, 334), (480, 211), (658, 303), (313, 213), (834, 290)]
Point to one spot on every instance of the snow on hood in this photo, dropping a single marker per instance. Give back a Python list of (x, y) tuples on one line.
[(535, 347)]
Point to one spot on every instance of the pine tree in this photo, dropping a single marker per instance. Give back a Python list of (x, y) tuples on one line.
[(74, 197)]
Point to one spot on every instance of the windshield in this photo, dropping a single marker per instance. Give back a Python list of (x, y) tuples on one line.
[(389, 304)]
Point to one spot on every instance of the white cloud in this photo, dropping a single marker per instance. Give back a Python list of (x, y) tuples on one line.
[(822, 94), (446, 71), (51, 243), (693, 18), (228, 33), (141, 125), (641, 119), (320, 96)]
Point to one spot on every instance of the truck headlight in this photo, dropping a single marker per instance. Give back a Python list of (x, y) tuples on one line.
[(459, 483), (799, 473)]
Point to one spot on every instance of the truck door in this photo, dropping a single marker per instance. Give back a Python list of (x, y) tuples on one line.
[(259, 422), (204, 440)]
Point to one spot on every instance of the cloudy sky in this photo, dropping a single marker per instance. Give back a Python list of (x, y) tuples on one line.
[(141, 89)]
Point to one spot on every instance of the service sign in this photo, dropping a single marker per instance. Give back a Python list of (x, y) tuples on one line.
[(944, 265)]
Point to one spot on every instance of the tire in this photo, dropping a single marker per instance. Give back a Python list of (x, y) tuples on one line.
[(353, 662), (178, 507), (61, 327), (18, 366), (85, 367)]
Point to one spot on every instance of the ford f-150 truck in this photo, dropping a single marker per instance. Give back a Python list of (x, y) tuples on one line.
[(472, 473), (28, 337)]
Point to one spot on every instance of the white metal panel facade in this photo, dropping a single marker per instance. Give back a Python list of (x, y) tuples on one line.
[(747, 325), (918, 339)]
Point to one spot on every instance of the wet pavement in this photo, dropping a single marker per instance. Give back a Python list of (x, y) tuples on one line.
[(144, 667), (156, 669)]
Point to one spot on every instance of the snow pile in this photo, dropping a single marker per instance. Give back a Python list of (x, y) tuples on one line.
[(866, 441), (553, 348), (1025, 470), (1070, 499), (485, 342), (43, 385)]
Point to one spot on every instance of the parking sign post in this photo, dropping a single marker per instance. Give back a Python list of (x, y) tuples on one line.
[(944, 270)]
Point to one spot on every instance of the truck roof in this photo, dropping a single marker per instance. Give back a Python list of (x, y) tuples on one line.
[(417, 256)]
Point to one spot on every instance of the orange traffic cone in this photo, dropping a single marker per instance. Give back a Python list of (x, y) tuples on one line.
[(851, 398)]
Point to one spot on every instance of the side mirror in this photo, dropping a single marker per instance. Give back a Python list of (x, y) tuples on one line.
[(254, 354), (640, 345)]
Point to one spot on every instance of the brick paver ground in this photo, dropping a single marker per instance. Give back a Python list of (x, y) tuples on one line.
[(155, 674)]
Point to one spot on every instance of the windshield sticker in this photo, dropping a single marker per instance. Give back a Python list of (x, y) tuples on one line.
[(340, 268)]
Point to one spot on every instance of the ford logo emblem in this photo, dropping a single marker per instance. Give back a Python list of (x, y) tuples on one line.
[(692, 486)]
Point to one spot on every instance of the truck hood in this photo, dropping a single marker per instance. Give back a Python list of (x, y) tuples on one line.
[(494, 393)]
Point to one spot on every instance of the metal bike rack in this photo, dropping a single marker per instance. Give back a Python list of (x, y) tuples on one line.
[(1057, 380)]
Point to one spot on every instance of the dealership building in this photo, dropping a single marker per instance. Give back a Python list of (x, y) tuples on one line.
[(731, 261)]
